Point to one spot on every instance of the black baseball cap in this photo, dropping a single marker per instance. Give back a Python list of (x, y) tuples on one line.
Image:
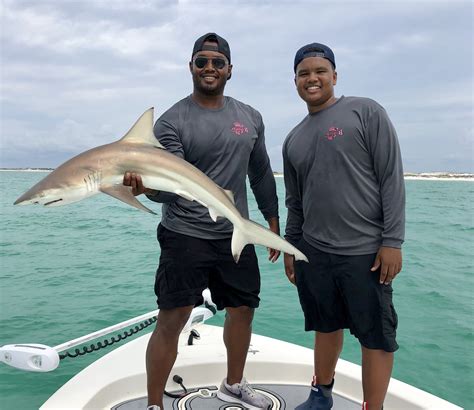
[(222, 44), (314, 50)]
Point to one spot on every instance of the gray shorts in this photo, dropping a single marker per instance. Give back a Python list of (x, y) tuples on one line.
[(340, 291)]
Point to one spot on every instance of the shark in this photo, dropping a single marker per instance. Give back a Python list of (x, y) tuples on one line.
[(101, 170)]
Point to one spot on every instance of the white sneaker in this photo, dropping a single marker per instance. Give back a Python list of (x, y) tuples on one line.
[(244, 394), (153, 407)]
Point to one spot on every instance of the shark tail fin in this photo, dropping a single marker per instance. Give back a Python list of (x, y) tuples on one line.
[(142, 131), (251, 232)]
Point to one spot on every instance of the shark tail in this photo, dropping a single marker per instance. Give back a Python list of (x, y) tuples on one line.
[(250, 232)]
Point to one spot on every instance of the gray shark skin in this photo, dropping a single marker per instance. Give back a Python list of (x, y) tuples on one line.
[(101, 169)]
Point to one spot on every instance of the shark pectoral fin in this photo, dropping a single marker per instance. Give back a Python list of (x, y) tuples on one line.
[(124, 194), (239, 241)]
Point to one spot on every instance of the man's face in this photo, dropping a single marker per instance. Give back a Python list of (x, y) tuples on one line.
[(315, 80), (211, 78)]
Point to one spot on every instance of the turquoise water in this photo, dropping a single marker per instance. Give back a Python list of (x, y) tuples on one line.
[(71, 270)]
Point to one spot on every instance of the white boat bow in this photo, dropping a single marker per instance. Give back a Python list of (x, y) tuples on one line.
[(276, 368)]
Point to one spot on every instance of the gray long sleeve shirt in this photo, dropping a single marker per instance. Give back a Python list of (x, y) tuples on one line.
[(343, 173), (226, 144)]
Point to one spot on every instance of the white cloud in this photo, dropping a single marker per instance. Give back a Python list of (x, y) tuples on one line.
[(50, 30), (77, 74)]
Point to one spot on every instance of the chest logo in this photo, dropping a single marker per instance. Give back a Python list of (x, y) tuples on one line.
[(334, 132), (239, 129)]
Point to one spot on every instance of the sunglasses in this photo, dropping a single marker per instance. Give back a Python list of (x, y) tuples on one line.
[(201, 62)]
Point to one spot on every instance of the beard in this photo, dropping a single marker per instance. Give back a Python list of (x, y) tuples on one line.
[(217, 88)]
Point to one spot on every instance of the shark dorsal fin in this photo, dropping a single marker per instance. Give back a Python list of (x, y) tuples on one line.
[(142, 131)]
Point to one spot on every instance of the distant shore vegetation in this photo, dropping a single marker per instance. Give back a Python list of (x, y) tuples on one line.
[(27, 169), (426, 175)]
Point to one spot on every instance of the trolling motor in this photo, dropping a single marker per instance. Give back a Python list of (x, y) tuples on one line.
[(35, 357)]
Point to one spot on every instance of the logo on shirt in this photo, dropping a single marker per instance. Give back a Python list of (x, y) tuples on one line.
[(239, 129), (334, 132)]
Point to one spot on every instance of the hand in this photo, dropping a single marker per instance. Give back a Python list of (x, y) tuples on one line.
[(389, 260), (274, 226), (135, 181), (290, 267)]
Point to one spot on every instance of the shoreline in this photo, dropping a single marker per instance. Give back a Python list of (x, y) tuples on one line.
[(428, 177), (433, 178), (423, 176), (26, 169)]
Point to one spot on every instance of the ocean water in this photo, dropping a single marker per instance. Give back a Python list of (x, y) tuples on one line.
[(71, 270)]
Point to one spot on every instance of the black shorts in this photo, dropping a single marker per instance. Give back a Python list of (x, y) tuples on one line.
[(339, 291), (188, 265)]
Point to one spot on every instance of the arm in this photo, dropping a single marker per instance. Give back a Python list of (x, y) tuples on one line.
[(289, 261), (295, 218), (388, 169), (293, 201), (263, 186), (135, 181), (274, 226)]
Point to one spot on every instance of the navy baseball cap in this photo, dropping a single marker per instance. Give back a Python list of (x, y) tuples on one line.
[(222, 44), (314, 50)]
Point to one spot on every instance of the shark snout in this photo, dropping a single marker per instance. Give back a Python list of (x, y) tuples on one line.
[(38, 197), (37, 201), (27, 200)]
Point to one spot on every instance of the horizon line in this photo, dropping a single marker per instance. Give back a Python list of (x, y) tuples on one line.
[(408, 173)]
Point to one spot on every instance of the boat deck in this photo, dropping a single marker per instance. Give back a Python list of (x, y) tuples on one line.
[(282, 396), (278, 369)]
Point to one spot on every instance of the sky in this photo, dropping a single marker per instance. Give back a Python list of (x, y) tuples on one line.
[(76, 74)]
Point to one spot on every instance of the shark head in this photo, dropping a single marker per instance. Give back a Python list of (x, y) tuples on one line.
[(60, 188), (93, 171)]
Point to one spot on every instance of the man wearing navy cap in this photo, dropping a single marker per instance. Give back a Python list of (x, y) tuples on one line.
[(225, 139), (346, 211)]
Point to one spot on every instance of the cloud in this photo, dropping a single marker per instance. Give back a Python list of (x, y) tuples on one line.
[(77, 74), (53, 30)]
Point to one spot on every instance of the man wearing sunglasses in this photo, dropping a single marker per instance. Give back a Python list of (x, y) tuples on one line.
[(225, 139)]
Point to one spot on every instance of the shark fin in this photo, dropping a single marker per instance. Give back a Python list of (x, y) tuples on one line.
[(142, 131), (213, 214), (229, 194), (238, 243), (124, 194)]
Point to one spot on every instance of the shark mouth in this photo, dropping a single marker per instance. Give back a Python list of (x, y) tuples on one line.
[(52, 202)]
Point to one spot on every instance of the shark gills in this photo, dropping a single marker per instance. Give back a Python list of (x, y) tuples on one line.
[(101, 169)]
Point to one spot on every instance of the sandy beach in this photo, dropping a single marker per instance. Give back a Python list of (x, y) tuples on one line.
[(435, 176)]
